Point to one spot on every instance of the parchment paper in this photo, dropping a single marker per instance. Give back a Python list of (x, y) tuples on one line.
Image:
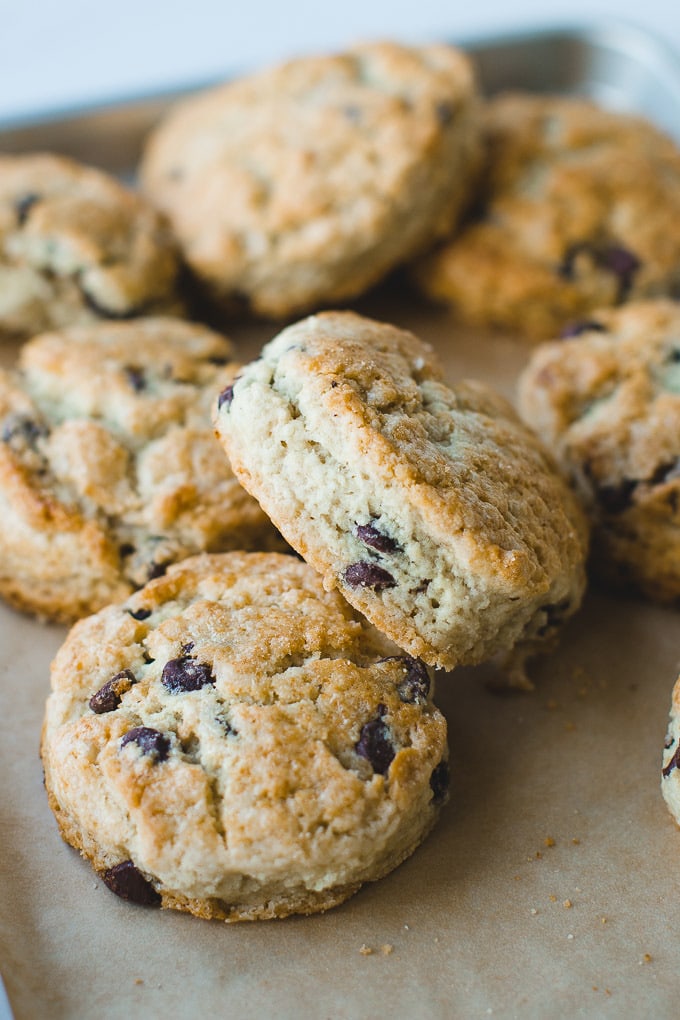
[(555, 801)]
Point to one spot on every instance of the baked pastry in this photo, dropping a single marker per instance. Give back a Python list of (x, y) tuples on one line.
[(109, 469), (607, 400), (77, 247), (572, 215), (305, 184), (235, 742), (431, 508)]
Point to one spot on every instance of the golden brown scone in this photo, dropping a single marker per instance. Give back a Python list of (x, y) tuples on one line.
[(109, 469), (608, 401), (574, 214), (432, 508), (305, 184), (77, 247), (236, 742)]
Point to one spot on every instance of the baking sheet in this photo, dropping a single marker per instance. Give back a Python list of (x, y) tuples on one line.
[(550, 886)]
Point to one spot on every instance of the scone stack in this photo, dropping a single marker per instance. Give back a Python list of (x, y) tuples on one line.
[(232, 731)]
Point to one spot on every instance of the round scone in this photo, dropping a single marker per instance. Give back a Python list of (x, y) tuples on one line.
[(77, 247), (109, 469), (432, 508), (236, 742), (608, 402), (572, 215), (305, 184)]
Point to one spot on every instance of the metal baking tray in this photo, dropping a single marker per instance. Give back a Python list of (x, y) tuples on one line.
[(550, 885)]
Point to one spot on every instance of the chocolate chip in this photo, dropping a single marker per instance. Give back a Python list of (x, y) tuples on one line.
[(155, 570), (615, 499), (374, 743), (24, 205), (185, 674), (126, 881), (108, 697), (226, 396), (151, 743), (444, 113), (415, 686), (139, 614), (126, 549), (367, 575), (376, 539), (674, 763), (439, 782), (135, 377), (584, 326), (23, 428)]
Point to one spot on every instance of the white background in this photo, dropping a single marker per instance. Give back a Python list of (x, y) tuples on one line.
[(58, 53)]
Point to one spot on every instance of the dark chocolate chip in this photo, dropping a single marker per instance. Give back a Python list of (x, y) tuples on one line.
[(368, 575), (126, 549), (24, 205), (108, 697), (139, 614), (126, 881), (674, 763), (226, 396), (376, 539), (155, 570), (415, 686), (151, 743), (439, 782), (135, 377), (584, 326), (23, 428), (374, 743), (445, 113), (615, 499), (185, 674)]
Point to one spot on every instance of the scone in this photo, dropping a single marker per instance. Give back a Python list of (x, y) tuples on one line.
[(431, 508), (109, 469), (235, 742), (607, 400), (304, 184), (77, 247), (573, 215)]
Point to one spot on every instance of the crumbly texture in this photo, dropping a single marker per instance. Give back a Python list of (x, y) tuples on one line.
[(236, 742), (573, 214), (670, 767), (303, 185), (77, 247), (432, 508), (109, 469), (608, 402)]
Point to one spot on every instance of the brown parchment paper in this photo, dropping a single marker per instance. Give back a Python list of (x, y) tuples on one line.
[(555, 801)]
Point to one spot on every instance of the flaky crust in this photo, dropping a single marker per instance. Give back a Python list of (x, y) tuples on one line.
[(265, 787), (304, 184), (368, 462)]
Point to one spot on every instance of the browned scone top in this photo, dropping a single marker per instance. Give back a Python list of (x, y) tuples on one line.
[(109, 469), (304, 184), (574, 213), (607, 400), (76, 247), (236, 742), (431, 507)]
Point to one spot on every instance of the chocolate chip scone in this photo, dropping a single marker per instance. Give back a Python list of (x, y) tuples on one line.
[(432, 508), (572, 215), (109, 469), (236, 742), (304, 184), (608, 402), (77, 247)]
